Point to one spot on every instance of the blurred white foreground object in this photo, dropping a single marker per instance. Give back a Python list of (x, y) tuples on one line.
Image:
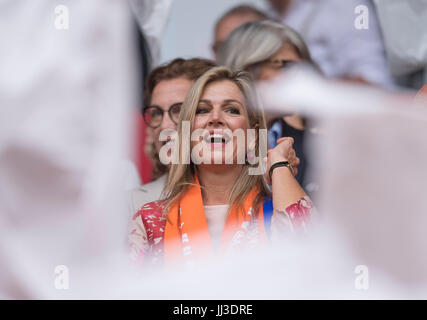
[(65, 95), (371, 166)]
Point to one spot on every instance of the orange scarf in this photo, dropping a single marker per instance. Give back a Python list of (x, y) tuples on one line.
[(187, 237)]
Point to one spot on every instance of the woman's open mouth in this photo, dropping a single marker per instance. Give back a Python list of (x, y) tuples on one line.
[(216, 138)]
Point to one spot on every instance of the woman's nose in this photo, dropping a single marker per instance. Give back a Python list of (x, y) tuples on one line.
[(216, 118)]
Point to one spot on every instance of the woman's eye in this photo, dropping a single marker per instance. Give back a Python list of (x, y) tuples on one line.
[(202, 110), (233, 110)]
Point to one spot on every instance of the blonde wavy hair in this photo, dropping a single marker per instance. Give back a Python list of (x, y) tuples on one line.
[(181, 175)]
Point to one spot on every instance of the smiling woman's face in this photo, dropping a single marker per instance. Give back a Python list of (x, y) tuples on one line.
[(221, 110)]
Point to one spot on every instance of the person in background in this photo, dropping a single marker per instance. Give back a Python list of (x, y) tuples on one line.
[(216, 207), (339, 48), (265, 49), (151, 18), (165, 90), (405, 40), (232, 19)]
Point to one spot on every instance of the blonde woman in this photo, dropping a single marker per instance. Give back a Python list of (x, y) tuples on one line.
[(211, 206)]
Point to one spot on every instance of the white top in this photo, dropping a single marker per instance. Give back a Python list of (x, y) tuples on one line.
[(216, 217)]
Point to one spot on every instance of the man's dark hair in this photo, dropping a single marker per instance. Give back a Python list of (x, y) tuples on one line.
[(190, 69)]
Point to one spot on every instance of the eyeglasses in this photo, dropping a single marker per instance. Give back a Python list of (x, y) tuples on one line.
[(153, 115)]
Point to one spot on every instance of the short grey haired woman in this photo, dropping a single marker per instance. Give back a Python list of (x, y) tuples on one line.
[(264, 49), (256, 43)]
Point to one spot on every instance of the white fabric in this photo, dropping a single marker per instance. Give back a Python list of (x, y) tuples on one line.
[(404, 26), (335, 44), (65, 98), (216, 217), (152, 17)]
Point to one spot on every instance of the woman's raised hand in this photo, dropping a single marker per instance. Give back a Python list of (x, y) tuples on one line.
[(283, 151)]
